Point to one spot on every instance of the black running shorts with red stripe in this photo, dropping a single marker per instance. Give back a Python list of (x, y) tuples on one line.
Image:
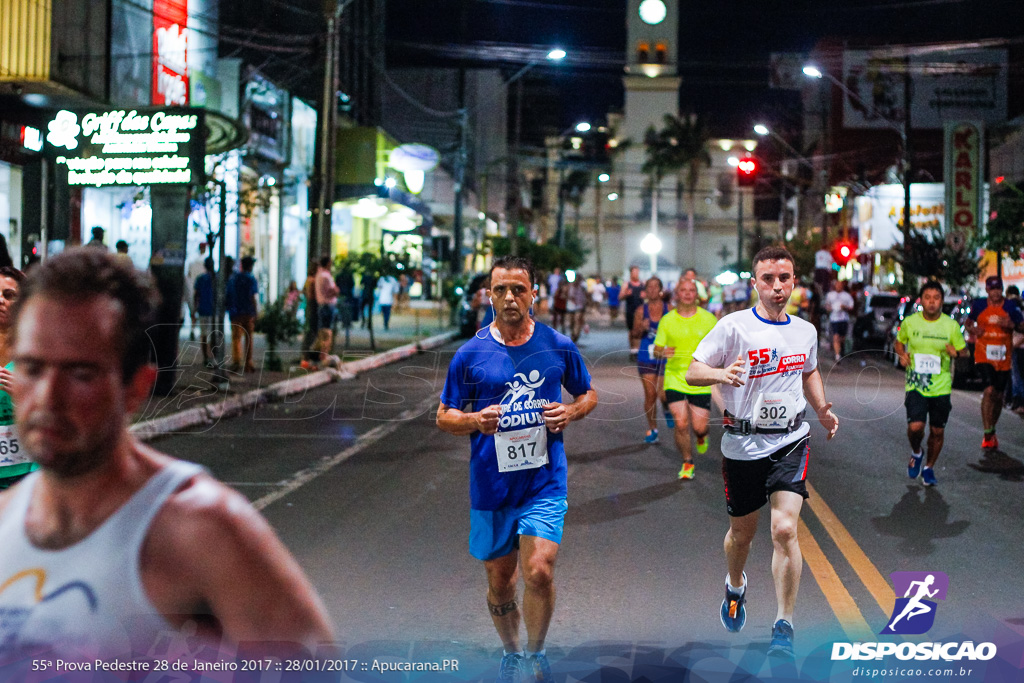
[(749, 483)]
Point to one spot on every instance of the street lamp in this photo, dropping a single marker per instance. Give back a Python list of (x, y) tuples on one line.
[(812, 71), (764, 130), (554, 55), (651, 245)]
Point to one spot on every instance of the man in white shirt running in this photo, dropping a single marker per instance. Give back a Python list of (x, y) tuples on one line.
[(839, 304), (767, 364)]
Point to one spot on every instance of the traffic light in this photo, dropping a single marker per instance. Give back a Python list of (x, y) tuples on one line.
[(746, 172), (844, 251)]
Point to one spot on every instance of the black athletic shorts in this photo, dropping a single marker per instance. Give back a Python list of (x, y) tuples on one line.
[(991, 377), (749, 483), (935, 408), (695, 400), (840, 327)]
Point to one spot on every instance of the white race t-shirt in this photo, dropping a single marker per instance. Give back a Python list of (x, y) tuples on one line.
[(777, 356), (835, 302)]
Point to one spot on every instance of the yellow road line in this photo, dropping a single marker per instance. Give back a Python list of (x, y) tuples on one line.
[(865, 570), (839, 599)]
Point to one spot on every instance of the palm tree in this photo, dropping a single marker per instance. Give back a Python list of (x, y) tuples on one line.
[(574, 187), (680, 145)]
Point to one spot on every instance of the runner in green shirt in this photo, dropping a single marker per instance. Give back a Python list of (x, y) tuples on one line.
[(926, 344), (14, 461), (679, 332)]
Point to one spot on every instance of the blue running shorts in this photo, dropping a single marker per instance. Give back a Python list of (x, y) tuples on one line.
[(495, 533)]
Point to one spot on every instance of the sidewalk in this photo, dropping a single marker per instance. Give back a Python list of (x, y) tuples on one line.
[(199, 398)]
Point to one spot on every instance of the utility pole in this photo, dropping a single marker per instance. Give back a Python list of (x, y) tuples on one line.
[(739, 232), (460, 184), (598, 225), (905, 135), (320, 245)]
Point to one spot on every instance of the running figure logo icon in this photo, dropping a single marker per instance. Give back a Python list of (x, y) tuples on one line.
[(914, 613)]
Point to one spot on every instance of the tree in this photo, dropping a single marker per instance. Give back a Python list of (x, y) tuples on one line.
[(680, 146), (931, 255), (1004, 234), (573, 189)]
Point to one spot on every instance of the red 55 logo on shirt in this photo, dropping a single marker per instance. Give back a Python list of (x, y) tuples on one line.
[(761, 356)]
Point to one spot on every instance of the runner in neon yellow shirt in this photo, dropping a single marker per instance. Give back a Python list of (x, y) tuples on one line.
[(926, 343), (679, 333), (14, 461)]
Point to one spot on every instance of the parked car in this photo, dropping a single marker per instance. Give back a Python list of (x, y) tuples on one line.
[(872, 326), (963, 371)]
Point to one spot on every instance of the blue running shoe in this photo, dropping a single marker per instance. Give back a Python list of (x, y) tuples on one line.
[(928, 477), (652, 436), (782, 640), (734, 614), (914, 468), (511, 668), (670, 421), (541, 668)]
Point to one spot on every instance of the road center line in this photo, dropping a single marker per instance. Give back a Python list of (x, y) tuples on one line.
[(839, 599), (303, 477), (858, 559)]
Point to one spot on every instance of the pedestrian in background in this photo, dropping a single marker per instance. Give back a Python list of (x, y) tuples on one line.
[(193, 270), (202, 304), (309, 354), (243, 290), (560, 306), (97, 238), (326, 292), (1015, 400), (612, 290), (14, 463), (387, 291), (5, 254), (576, 309), (839, 304), (366, 298), (633, 293)]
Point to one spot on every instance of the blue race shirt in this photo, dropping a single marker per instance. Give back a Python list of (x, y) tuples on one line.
[(521, 379)]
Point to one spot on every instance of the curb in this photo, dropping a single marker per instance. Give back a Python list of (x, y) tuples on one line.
[(231, 407)]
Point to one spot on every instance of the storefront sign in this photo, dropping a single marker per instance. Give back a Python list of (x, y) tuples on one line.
[(129, 147), (964, 161), (170, 52)]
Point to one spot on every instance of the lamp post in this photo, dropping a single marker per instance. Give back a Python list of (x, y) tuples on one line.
[(903, 130), (764, 130), (462, 155)]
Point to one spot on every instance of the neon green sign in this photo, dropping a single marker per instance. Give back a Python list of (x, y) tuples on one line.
[(128, 147)]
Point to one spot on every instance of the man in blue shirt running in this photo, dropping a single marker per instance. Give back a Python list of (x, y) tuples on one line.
[(504, 390)]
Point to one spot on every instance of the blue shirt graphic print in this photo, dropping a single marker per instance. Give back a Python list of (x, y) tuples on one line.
[(521, 379)]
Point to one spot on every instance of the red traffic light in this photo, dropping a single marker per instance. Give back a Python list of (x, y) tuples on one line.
[(746, 172), (844, 251)]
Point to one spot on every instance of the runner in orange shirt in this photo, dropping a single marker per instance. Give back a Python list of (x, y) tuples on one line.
[(992, 320)]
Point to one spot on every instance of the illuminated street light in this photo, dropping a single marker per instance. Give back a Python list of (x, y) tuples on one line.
[(604, 178), (761, 129), (582, 127), (733, 161), (650, 244), (557, 54), (613, 196), (902, 130)]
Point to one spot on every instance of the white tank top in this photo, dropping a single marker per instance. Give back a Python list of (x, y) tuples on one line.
[(86, 600)]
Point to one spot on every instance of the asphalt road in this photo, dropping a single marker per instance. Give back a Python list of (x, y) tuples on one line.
[(373, 500)]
